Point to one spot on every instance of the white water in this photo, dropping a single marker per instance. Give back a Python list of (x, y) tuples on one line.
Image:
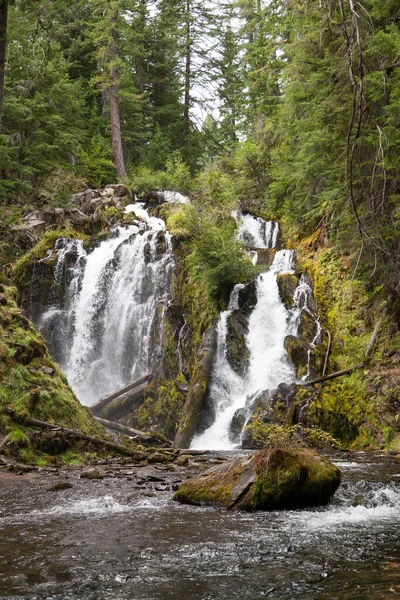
[(256, 232), (269, 324), (115, 302)]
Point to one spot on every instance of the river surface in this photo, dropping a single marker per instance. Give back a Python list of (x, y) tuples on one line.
[(108, 540)]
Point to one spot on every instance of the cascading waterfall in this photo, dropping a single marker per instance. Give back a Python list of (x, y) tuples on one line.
[(269, 324), (256, 232), (110, 320)]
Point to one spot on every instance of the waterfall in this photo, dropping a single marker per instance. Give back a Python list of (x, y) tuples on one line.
[(269, 324), (256, 232), (106, 330)]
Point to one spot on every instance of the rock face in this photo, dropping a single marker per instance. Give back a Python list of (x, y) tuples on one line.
[(297, 350), (287, 284), (267, 480), (237, 352)]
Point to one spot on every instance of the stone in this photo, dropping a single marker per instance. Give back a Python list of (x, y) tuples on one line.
[(287, 284), (247, 297), (92, 474), (265, 256), (77, 217), (297, 350), (237, 352), (308, 327), (237, 424), (267, 480), (47, 370)]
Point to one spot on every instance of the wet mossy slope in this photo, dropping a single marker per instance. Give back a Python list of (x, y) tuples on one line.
[(31, 384)]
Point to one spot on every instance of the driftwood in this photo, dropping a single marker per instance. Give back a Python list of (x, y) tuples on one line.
[(368, 353), (372, 340), (100, 404), (12, 465), (138, 436), (332, 375)]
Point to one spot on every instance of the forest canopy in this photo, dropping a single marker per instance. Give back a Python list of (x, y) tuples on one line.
[(297, 103)]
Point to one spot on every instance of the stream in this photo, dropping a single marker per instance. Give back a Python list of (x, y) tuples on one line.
[(115, 539)]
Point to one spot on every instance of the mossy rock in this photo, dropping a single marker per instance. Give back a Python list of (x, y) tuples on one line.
[(298, 353), (267, 480), (308, 327), (287, 284), (265, 256), (237, 352)]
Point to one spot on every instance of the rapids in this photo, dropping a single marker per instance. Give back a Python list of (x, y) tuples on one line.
[(108, 540)]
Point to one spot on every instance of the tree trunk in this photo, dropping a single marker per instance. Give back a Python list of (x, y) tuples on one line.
[(186, 117), (118, 155), (3, 34)]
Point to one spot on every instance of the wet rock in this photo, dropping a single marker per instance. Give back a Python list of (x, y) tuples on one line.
[(297, 350), (247, 297), (237, 352), (92, 474), (59, 487), (265, 256), (237, 424), (267, 480), (77, 217), (308, 327), (287, 284)]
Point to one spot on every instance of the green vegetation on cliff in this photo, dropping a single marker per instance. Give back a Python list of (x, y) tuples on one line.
[(31, 384)]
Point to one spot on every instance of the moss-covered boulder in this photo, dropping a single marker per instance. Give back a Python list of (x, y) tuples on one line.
[(267, 480), (237, 352), (287, 284), (298, 353), (308, 327)]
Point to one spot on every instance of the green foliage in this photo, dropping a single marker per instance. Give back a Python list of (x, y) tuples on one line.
[(176, 176), (217, 258), (26, 386), (273, 435)]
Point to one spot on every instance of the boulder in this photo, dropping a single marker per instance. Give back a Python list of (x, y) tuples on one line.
[(287, 284), (77, 217), (265, 256), (308, 327), (247, 297), (92, 474), (237, 352), (267, 480), (297, 350)]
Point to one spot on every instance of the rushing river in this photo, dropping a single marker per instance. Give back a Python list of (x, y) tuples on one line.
[(106, 540)]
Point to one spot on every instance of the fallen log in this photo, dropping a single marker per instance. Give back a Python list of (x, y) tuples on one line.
[(119, 407), (12, 465), (332, 375), (140, 437), (100, 404), (81, 436)]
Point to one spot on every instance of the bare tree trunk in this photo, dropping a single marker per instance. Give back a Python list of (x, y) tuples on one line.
[(3, 34), (118, 155), (186, 121)]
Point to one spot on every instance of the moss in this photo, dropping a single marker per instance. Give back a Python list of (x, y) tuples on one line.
[(162, 410), (28, 389), (287, 284)]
